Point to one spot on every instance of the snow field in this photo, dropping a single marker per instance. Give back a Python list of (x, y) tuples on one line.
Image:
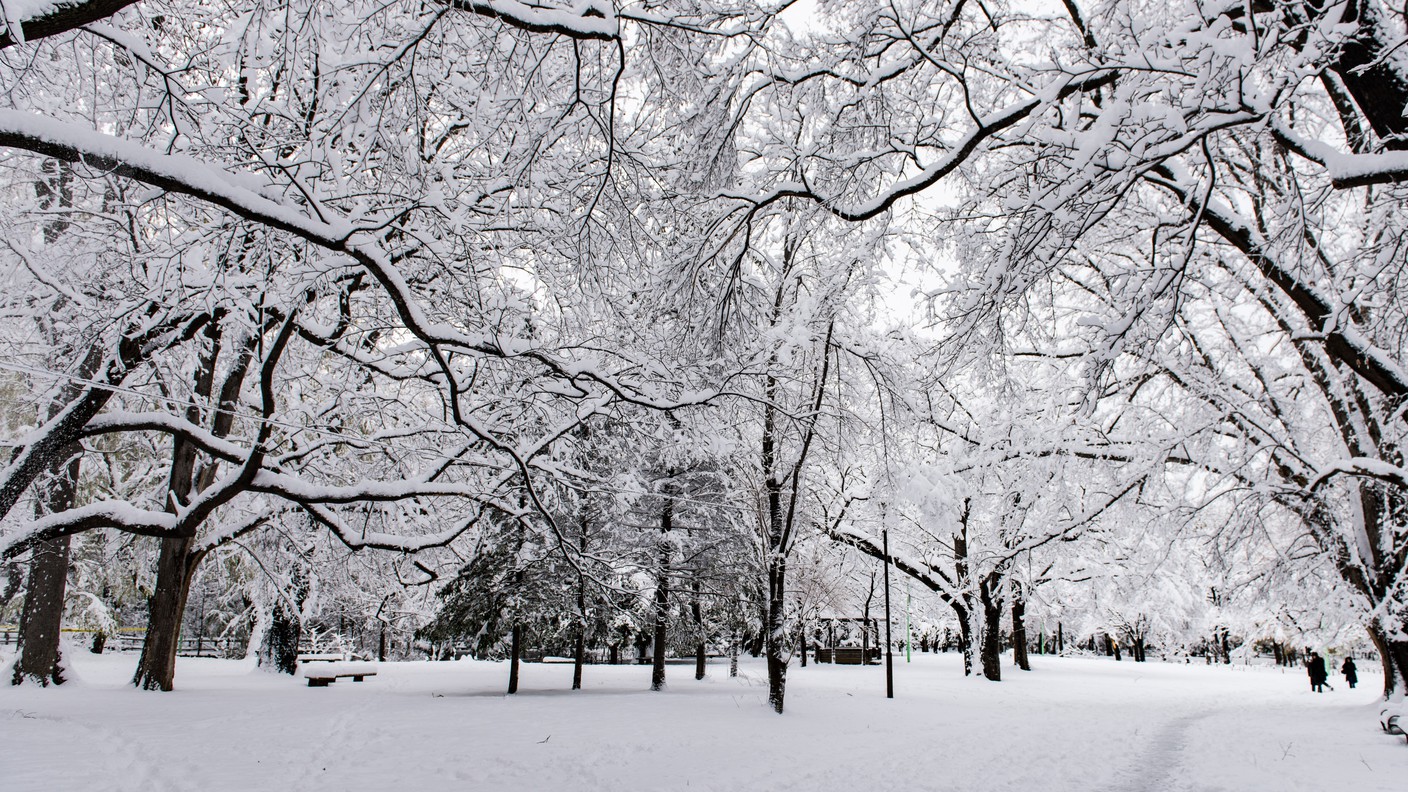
[(1071, 724)]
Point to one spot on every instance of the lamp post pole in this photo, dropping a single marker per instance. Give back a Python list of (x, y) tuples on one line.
[(889, 655)]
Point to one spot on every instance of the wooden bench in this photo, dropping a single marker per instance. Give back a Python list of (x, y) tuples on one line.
[(1391, 721), (321, 673)]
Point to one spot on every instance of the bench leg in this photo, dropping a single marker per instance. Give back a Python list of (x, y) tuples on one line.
[(318, 682), (357, 678)]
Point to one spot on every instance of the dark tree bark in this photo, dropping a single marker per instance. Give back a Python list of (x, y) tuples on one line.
[(1378, 84), (179, 558), (776, 636), (579, 644), (700, 649), (156, 670), (991, 649), (515, 655), (41, 615), (1019, 629), (662, 596), (1393, 657)]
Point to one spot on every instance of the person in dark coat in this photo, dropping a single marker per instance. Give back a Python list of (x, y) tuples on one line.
[(1351, 674), (1315, 667)]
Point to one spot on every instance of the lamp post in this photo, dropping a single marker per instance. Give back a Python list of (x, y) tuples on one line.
[(889, 655)]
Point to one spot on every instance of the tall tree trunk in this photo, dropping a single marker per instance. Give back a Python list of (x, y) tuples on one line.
[(776, 633), (991, 649), (662, 596), (156, 670), (579, 645), (700, 650), (579, 658), (1019, 629), (1393, 656), (41, 615), (966, 631), (515, 656)]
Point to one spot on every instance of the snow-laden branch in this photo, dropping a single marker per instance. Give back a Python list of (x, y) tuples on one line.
[(933, 579), (936, 171), (1362, 467), (189, 176), (38, 19), (1346, 170), (1342, 340), (120, 515), (588, 19)]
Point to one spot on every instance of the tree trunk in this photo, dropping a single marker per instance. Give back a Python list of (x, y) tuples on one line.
[(776, 633), (1376, 81), (1060, 639), (965, 637), (1393, 656), (662, 597), (175, 568), (991, 648), (700, 650), (579, 657), (515, 655), (1019, 630), (579, 648), (41, 615)]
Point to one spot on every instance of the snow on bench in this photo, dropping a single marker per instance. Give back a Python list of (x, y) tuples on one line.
[(322, 673), (1391, 720)]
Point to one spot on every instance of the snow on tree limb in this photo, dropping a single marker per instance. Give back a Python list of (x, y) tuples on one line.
[(1346, 170), (57, 16), (584, 20), (936, 171)]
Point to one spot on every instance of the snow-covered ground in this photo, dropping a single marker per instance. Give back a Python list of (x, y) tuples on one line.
[(1071, 724)]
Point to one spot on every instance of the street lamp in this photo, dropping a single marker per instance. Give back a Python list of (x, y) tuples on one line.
[(889, 655)]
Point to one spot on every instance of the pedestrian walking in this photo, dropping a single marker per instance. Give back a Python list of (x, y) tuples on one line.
[(1351, 674), (1315, 667)]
